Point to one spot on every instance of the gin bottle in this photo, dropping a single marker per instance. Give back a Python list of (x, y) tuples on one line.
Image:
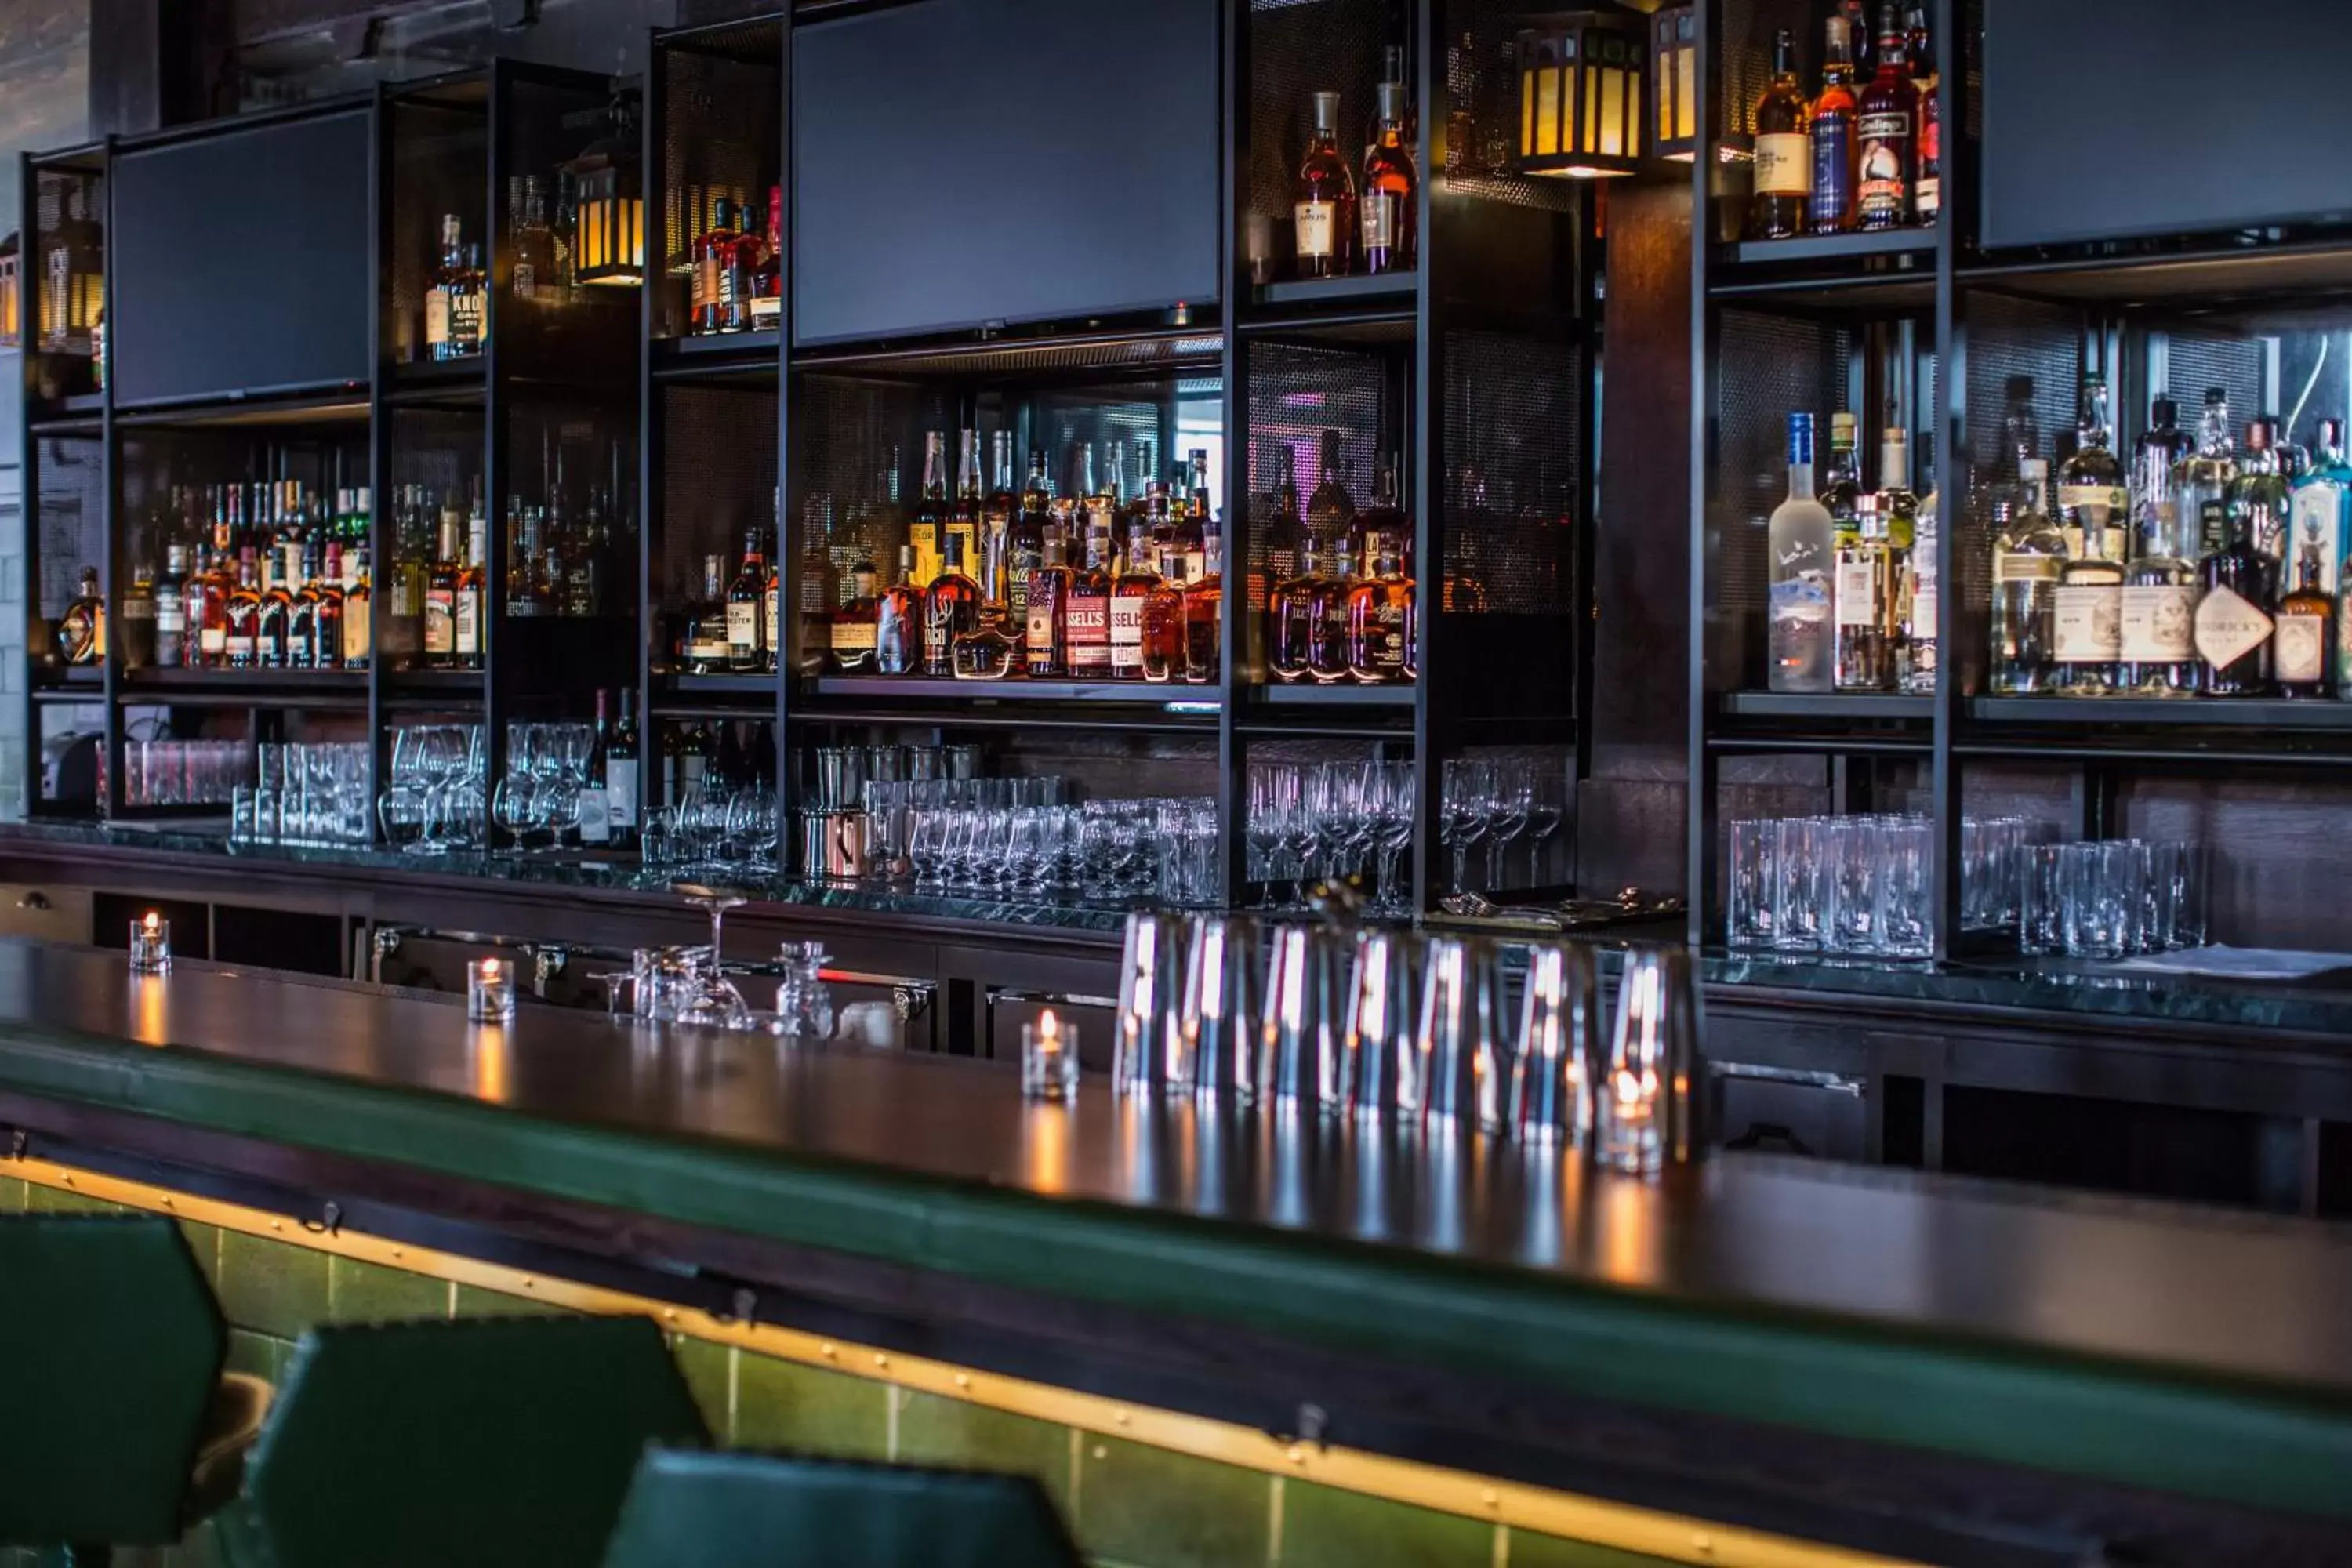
[(2029, 554), (2092, 507), (2157, 640)]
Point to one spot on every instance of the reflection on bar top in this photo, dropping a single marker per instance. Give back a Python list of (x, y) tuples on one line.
[(2321, 1007)]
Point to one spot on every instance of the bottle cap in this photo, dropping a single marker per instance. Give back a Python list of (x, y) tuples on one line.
[(2216, 395), (1326, 112), (2164, 411), (2331, 433), (1842, 429), (1390, 99)]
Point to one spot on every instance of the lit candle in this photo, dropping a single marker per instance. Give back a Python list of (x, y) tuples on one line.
[(490, 992), (150, 944), (1049, 1058)]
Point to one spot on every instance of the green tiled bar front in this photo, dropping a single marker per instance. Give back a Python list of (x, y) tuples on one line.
[(1130, 1505)]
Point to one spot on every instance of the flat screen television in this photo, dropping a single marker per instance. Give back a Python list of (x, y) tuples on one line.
[(968, 163)]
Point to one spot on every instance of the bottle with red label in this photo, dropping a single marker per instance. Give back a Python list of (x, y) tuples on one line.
[(1886, 129), (1927, 186)]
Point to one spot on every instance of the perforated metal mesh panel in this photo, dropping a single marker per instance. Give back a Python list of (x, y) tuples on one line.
[(72, 503), (857, 451), (1296, 393), (1513, 454), (2008, 339), (1478, 70), (1744, 54), (718, 479), (2199, 360), (1297, 49), (440, 159), (1769, 367), (720, 136)]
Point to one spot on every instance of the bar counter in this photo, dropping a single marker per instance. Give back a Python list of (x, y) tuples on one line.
[(1763, 1342)]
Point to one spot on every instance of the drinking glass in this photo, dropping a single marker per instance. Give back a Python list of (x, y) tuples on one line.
[(1754, 850), (1509, 795), (1273, 794), (927, 845), (1461, 805), (2041, 923), (1850, 849), (1905, 850), (1798, 867), (716, 1004), (2099, 897), (2188, 869), (1302, 829), (1547, 809), (1393, 831)]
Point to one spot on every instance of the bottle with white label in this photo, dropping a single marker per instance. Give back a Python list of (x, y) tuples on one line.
[(2092, 508), (2322, 507), (595, 815), (2233, 620), (2029, 555), (1867, 615), (621, 773), (2157, 642), (1921, 573), (2301, 642), (1798, 632), (1784, 149), (1323, 199)]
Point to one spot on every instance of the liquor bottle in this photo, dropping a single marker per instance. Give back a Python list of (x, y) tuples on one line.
[(452, 299), (1128, 594), (241, 625), (820, 587), (2240, 581), (1920, 656), (1192, 518), (1160, 514), (2260, 497), (765, 308), (713, 309), (2093, 506), (139, 630), (1867, 619), (1284, 529), (1162, 647), (302, 618), (81, 630), (704, 649), (747, 618), (950, 609), (1927, 183), (993, 566), (273, 633), (1323, 199), (2157, 641), (359, 606), (898, 621), (1204, 613), (536, 277), (468, 609), (621, 773), (2322, 507), (2029, 555), (171, 609), (1390, 209), (1842, 488), (2202, 481), (1086, 629), (205, 594), (1384, 517), (928, 532), (964, 521), (1046, 631), (856, 626), (1829, 207), (2301, 640), (1331, 511), (1784, 149), (1803, 541), (1300, 613), (692, 762), (441, 599), (1025, 543), (1886, 143), (1379, 617)]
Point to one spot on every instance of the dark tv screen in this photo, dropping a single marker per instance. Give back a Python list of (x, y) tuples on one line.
[(964, 163)]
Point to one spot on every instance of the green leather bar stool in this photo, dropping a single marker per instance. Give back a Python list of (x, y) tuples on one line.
[(490, 1440), (117, 1427), (700, 1509)]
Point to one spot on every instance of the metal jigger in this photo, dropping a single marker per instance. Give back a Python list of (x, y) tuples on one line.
[(1376, 1039), (1217, 1036), (1560, 1049), (1650, 1101), (1150, 982), (1299, 1058), (1459, 1050)]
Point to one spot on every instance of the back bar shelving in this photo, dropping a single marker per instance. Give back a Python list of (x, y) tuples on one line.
[(2166, 316)]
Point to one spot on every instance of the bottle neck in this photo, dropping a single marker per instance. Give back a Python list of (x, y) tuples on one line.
[(1800, 481)]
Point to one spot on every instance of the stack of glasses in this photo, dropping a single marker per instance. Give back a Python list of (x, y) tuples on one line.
[(2110, 897), (307, 795), (1312, 821), (715, 831), (538, 802), (432, 801), (184, 773), (1021, 837)]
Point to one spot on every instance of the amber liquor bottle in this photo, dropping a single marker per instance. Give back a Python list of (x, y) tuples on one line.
[(1927, 186), (1127, 595), (1300, 612), (241, 630), (926, 535), (1026, 546), (766, 306), (1784, 149), (1086, 629), (1046, 632), (1380, 620), (2301, 642), (857, 625), (273, 634), (1164, 655), (1887, 128), (302, 618), (81, 630), (330, 600), (1205, 611), (1390, 206), (1323, 199), (747, 616), (898, 621), (1829, 208), (950, 609), (713, 260), (441, 599)]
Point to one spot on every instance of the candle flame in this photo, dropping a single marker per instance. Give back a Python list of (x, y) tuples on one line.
[(154, 922), (490, 969), (1048, 1026)]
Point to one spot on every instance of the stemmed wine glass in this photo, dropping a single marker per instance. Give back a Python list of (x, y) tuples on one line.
[(715, 1003), (1392, 810), (1547, 809), (1508, 792), (1462, 810), (1272, 792), (440, 759)]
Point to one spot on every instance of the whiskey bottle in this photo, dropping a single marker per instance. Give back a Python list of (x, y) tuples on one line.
[(2029, 554), (705, 648), (772, 608), (302, 618), (994, 561), (469, 607), (535, 278), (820, 587), (898, 621), (359, 606), (2093, 506), (1026, 548), (964, 519), (452, 299), (205, 594), (1866, 620), (1829, 209), (1188, 508), (1299, 611), (171, 609), (81, 630), (1331, 511), (1284, 527), (1803, 543), (2203, 479), (1046, 630), (441, 599), (273, 634), (713, 305), (766, 306), (241, 617), (1928, 183), (1323, 198), (2302, 639), (928, 532), (329, 602), (139, 628), (1204, 613), (747, 618), (1163, 655), (856, 626), (1380, 618), (1784, 149), (1885, 134), (952, 608), (1128, 594), (1390, 209), (2239, 584), (1088, 627)]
